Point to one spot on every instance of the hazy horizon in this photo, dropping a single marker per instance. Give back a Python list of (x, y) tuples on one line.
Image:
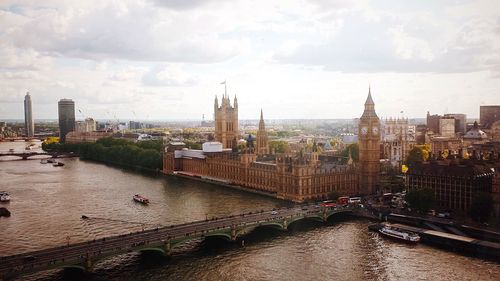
[(308, 59)]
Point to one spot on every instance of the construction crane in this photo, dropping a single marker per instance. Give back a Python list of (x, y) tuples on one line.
[(81, 113)]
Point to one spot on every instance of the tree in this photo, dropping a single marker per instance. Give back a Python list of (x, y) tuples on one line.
[(420, 199), (278, 146), (481, 206), (354, 148), (145, 154), (419, 153)]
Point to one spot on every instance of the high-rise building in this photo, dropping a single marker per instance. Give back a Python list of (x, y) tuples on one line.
[(488, 114), (460, 122), (447, 127), (89, 125), (433, 122), (226, 121), (66, 108), (369, 147), (262, 143), (133, 125), (28, 116)]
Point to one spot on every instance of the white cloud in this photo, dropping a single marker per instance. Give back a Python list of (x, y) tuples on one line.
[(122, 30), (169, 75), (296, 59)]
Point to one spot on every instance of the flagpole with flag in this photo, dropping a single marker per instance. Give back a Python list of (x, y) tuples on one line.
[(225, 87)]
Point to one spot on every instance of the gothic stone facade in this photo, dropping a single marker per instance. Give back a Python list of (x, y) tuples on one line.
[(398, 138), (290, 177), (369, 147), (226, 122), (293, 178)]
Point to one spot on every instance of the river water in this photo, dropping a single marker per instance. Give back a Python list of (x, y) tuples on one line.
[(48, 202)]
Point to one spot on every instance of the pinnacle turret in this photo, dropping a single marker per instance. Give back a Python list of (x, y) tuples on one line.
[(369, 106)]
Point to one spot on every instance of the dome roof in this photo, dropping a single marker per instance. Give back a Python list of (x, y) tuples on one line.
[(475, 133)]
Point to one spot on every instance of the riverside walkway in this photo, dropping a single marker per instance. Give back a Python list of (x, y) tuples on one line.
[(163, 239)]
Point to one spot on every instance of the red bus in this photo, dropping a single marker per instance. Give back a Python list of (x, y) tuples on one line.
[(328, 204), (344, 200)]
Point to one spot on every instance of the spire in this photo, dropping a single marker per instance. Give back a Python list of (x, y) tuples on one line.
[(235, 102), (262, 142), (349, 161), (369, 106), (369, 99), (262, 125)]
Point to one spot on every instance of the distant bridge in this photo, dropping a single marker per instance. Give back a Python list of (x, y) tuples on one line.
[(83, 255), (27, 155), (40, 138)]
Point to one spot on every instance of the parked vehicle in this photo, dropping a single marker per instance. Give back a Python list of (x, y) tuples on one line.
[(354, 200)]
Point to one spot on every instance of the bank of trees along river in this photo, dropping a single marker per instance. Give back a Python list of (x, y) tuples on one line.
[(145, 155)]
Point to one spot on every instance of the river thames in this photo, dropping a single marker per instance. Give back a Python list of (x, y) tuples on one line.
[(48, 202)]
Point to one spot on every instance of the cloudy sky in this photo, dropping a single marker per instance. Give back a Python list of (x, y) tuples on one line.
[(165, 59)]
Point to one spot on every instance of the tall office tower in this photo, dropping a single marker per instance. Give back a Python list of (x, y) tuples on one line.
[(66, 109), (369, 147), (28, 116)]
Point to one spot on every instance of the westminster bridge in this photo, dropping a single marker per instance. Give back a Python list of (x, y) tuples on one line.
[(28, 155), (163, 239)]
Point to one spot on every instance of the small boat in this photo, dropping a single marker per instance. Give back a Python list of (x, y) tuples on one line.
[(11, 149), (28, 148), (399, 234), (4, 196), (141, 199), (51, 161), (58, 164), (44, 161)]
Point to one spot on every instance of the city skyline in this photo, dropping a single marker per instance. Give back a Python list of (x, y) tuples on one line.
[(162, 60)]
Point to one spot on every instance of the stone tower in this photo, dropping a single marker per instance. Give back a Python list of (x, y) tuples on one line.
[(262, 142), (226, 121), (369, 148)]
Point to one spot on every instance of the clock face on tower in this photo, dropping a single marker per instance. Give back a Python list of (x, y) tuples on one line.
[(375, 130), (364, 130)]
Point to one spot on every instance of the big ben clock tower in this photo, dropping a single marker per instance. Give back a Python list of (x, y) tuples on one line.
[(369, 148)]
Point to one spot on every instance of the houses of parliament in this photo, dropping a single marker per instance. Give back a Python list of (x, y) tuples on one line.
[(298, 176)]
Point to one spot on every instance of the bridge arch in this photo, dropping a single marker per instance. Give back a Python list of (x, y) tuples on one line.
[(157, 249), (272, 224), (223, 235), (330, 214), (310, 218)]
